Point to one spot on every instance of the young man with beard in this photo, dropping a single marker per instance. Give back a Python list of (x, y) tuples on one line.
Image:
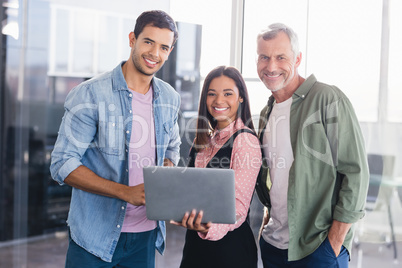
[(114, 124)]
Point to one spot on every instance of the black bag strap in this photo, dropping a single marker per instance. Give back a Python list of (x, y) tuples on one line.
[(226, 149)]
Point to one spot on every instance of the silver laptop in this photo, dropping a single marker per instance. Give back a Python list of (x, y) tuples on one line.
[(172, 191)]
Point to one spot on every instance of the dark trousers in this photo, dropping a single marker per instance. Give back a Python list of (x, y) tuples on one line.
[(237, 249), (322, 257), (132, 250)]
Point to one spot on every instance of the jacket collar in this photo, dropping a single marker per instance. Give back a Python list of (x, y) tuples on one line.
[(304, 88), (119, 82), (300, 94)]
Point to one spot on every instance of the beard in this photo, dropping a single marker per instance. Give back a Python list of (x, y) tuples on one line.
[(275, 88), (137, 59), (280, 85)]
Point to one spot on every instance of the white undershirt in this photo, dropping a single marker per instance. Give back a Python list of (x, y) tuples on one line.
[(279, 153)]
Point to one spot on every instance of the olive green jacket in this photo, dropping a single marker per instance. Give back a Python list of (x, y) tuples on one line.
[(329, 176)]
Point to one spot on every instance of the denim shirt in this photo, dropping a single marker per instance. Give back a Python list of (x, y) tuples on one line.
[(95, 132)]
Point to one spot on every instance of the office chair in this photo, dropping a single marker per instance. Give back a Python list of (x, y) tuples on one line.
[(381, 171), (376, 166)]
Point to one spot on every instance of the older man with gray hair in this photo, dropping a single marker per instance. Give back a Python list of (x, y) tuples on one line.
[(314, 179)]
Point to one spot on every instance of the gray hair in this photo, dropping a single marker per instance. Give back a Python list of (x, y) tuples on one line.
[(276, 28)]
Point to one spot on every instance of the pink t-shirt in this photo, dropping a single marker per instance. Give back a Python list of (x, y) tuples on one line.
[(141, 153)]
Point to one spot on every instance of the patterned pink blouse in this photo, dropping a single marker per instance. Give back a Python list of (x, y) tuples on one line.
[(245, 161)]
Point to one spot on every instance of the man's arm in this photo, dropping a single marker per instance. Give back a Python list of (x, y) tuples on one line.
[(337, 234), (352, 165), (84, 179)]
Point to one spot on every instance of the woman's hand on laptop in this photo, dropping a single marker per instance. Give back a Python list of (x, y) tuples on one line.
[(193, 222)]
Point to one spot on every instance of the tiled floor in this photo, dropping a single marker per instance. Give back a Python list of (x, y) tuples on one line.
[(49, 251)]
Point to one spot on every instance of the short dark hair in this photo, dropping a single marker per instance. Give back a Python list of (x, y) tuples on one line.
[(205, 122), (156, 18)]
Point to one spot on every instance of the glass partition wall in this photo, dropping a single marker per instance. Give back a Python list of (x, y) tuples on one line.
[(47, 48)]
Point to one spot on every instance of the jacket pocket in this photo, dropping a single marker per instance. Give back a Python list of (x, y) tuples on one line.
[(110, 138)]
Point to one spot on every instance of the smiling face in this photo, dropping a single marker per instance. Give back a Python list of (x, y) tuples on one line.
[(151, 49), (223, 100), (276, 63)]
